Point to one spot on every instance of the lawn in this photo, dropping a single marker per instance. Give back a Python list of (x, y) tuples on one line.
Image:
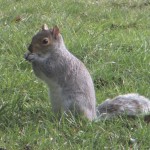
[(111, 37)]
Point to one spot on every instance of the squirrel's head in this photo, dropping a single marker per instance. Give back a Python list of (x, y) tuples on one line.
[(45, 40)]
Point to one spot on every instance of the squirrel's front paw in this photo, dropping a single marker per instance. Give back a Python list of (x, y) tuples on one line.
[(30, 56)]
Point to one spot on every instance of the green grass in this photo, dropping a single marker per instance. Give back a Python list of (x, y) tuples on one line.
[(110, 37)]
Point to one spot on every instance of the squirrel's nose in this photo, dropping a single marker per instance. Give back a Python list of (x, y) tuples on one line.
[(30, 48), (26, 55)]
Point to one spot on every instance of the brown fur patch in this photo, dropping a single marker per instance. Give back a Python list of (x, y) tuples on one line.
[(110, 108)]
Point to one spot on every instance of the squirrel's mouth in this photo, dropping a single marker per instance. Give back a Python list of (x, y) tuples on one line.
[(26, 55)]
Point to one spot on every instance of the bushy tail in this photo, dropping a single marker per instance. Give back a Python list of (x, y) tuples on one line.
[(131, 104)]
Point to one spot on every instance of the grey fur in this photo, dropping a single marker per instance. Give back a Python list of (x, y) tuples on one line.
[(131, 104), (70, 84)]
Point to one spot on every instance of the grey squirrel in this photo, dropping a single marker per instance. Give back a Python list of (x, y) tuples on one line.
[(70, 85)]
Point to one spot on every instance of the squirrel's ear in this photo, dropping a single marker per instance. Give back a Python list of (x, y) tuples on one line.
[(44, 27), (55, 32)]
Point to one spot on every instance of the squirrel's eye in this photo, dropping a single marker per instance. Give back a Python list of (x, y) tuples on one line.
[(45, 41)]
